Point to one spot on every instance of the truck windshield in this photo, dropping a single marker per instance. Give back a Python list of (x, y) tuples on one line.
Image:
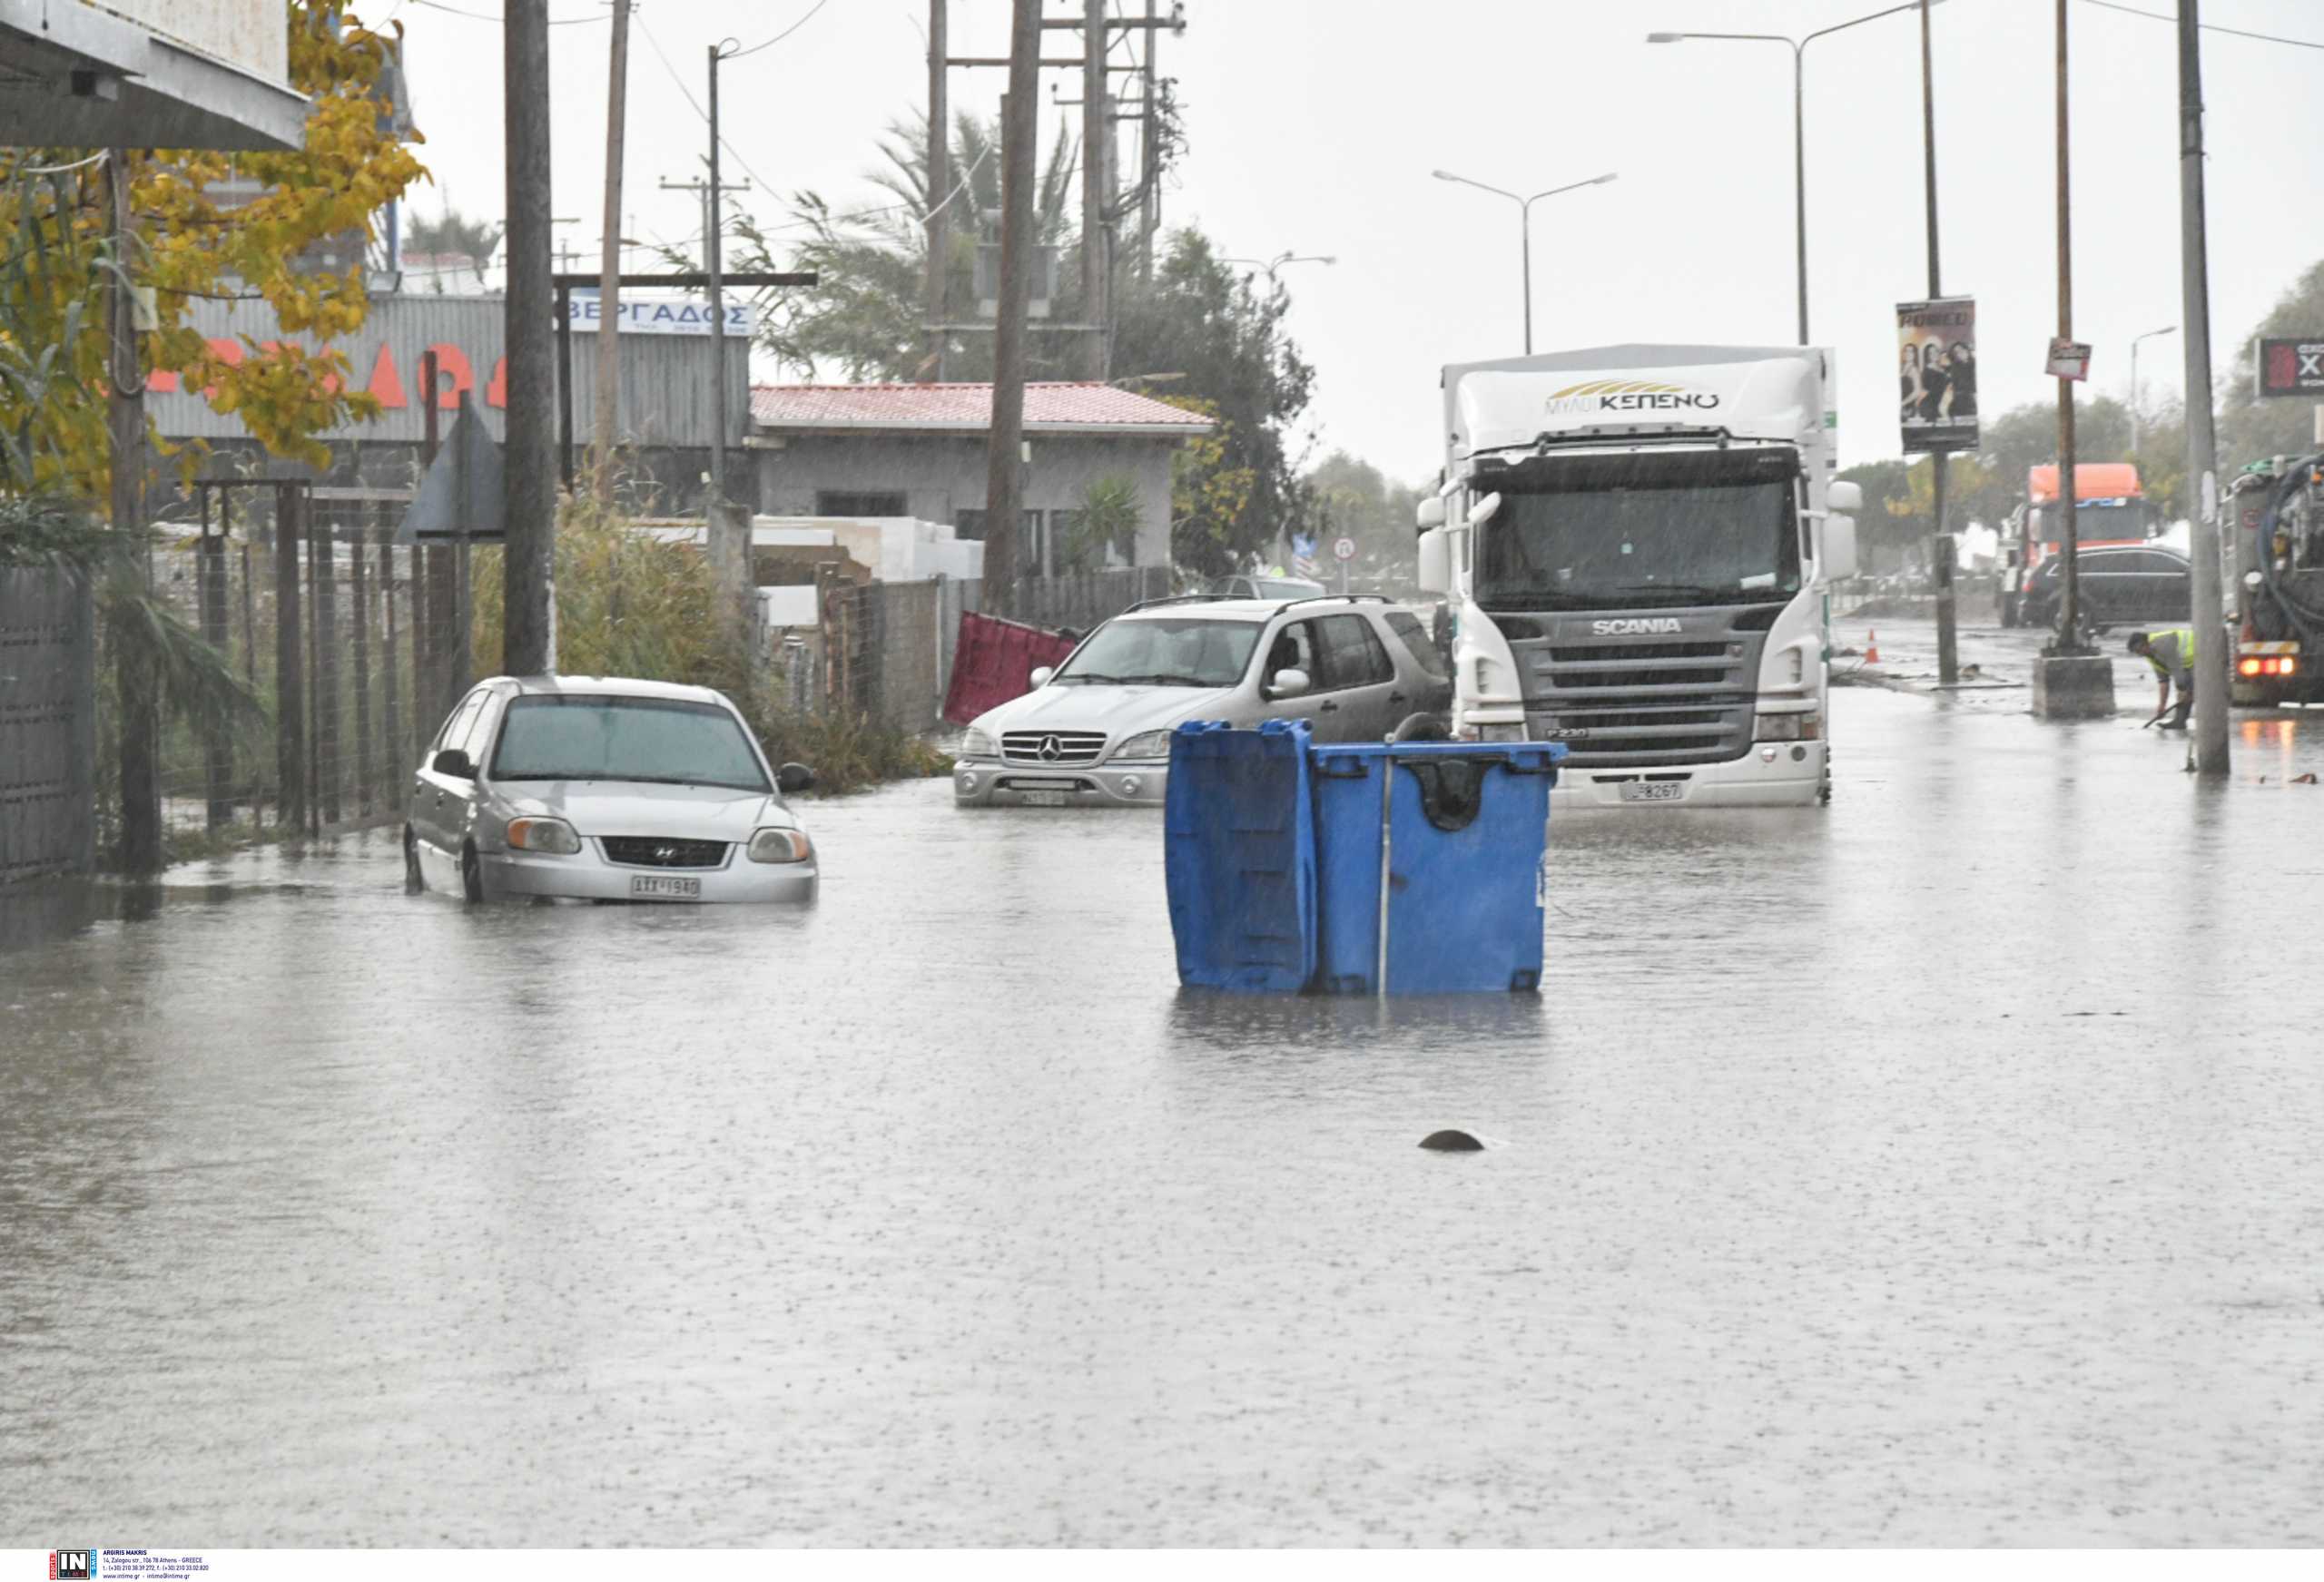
[(1620, 532), (2098, 521)]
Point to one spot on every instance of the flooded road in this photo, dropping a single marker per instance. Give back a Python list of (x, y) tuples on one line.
[(1938, 1167)]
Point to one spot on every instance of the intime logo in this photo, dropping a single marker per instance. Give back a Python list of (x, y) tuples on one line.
[(72, 1564)]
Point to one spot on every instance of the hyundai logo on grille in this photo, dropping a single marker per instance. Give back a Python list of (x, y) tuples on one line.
[(666, 852), (1051, 750)]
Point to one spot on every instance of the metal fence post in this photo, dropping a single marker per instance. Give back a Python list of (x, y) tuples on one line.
[(289, 694)]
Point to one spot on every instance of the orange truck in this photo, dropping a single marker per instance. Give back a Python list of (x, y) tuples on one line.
[(2110, 508)]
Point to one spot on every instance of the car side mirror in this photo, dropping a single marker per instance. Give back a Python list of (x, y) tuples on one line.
[(1288, 682), (454, 762), (1430, 513), (1041, 678), (793, 778), (1841, 494)]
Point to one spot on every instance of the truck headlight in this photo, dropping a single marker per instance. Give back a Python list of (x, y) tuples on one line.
[(550, 837), (1806, 727), (1146, 744), (1500, 732), (977, 743), (781, 846)]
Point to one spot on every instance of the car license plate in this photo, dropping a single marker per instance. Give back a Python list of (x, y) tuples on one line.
[(1044, 799), (1653, 790), (665, 888)]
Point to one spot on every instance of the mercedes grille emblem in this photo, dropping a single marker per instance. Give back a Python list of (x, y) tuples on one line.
[(1051, 750)]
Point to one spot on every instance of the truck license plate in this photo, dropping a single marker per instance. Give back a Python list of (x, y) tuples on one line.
[(665, 888), (1653, 790)]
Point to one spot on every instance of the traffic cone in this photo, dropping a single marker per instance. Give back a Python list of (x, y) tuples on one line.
[(1871, 646)]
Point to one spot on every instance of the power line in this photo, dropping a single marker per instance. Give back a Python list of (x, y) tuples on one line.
[(2208, 26), (786, 33)]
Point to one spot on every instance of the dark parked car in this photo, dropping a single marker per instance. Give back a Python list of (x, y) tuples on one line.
[(2122, 584)]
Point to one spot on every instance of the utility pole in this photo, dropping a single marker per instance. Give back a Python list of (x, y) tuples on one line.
[(1150, 174), (609, 254), (140, 791), (1941, 558), (940, 186), (528, 603), (1020, 130), (2202, 460), (2069, 635), (1097, 239)]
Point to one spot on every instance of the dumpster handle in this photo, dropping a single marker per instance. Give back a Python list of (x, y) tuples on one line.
[(1387, 803)]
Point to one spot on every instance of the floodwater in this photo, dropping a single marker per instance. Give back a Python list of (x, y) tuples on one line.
[(1938, 1167)]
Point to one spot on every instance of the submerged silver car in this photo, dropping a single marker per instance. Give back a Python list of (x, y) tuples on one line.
[(596, 788), (1097, 731)]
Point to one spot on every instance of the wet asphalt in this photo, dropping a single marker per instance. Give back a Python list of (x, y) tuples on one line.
[(1938, 1167)]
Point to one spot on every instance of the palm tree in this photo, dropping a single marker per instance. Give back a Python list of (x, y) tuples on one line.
[(866, 314)]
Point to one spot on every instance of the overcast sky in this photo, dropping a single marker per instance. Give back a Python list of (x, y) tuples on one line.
[(1312, 125)]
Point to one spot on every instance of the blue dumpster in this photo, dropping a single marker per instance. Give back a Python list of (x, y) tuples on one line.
[(1239, 855), (1465, 825)]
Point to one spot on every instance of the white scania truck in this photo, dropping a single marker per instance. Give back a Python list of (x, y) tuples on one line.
[(1634, 541)]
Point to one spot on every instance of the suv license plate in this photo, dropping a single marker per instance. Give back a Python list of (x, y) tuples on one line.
[(664, 888), (1044, 799), (1653, 790)]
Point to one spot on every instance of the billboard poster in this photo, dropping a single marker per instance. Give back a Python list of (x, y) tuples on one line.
[(1937, 373), (2290, 367)]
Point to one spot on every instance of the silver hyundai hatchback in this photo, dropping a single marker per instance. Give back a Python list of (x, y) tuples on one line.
[(1095, 733), (598, 788)]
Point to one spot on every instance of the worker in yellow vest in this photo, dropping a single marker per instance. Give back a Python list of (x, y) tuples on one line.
[(2173, 653)]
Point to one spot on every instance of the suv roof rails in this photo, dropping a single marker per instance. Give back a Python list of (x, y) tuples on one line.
[(1175, 599), (1335, 599)]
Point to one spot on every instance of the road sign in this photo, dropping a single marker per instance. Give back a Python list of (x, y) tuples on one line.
[(2069, 359), (2291, 367), (1345, 549)]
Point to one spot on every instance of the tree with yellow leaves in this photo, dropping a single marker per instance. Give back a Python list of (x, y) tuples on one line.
[(205, 225)]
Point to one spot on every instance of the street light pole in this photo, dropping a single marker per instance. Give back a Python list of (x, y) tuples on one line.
[(1272, 264), (2149, 335), (2209, 602), (1525, 230), (1799, 47)]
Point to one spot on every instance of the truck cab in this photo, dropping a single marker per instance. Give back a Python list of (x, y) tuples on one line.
[(1635, 541)]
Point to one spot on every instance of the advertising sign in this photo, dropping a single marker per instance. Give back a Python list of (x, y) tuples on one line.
[(1937, 373), (664, 315), (2290, 367), (2069, 359)]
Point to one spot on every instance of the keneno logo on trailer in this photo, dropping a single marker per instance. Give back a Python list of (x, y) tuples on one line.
[(1628, 396), (1645, 627)]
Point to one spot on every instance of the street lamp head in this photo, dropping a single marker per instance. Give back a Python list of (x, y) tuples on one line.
[(1444, 175), (1664, 37), (1601, 180)]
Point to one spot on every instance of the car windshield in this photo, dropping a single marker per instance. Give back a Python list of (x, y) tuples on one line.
[(660, 741), (1186, 651), (1632, 532)]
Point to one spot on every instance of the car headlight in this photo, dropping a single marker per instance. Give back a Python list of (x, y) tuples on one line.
[(1804, 727), (550, 837), (781, 846), (1146, 744), (977, 743)]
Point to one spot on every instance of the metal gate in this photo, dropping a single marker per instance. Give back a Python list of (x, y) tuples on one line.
[(47, 724)]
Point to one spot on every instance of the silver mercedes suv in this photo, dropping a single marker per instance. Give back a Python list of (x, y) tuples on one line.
[(1095, 732)]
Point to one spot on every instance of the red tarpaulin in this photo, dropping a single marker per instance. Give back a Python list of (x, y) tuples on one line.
[(995, 662)]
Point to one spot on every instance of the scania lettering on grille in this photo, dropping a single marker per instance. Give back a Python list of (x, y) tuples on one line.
[(1634, 628)]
